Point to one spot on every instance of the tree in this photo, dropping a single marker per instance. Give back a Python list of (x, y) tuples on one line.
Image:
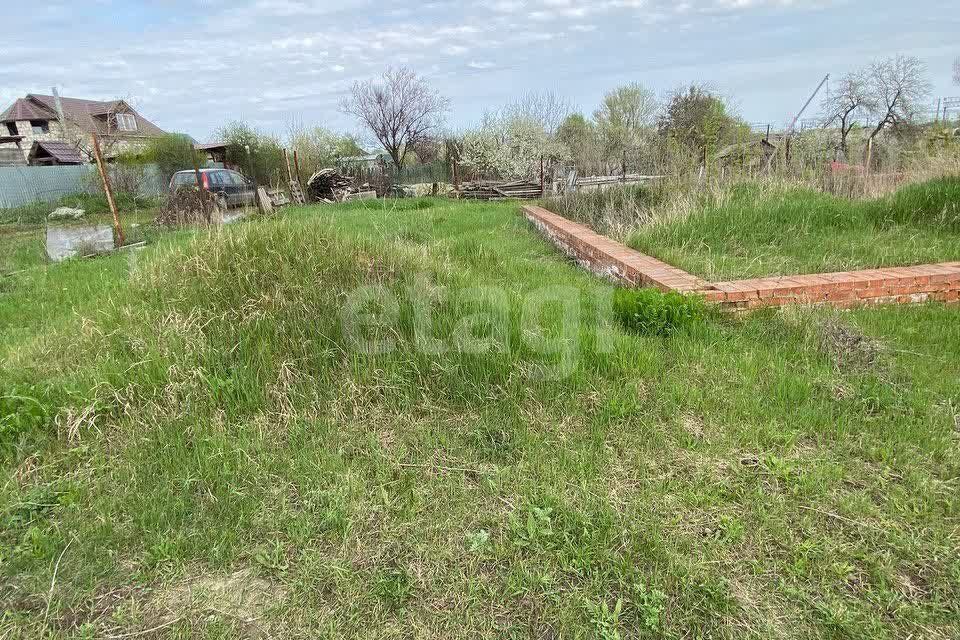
[(580, 136), (898, 87), (172, 152), (698, 119), (956, 71), (400, 109), (510, 147), (851, 98), (259, 155), (625, 116), (319, 147), (546, 107)]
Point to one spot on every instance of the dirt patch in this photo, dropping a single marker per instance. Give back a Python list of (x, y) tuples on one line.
[(241, 595), (850, 349)]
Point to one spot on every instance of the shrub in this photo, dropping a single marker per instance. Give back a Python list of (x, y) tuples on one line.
[(653, 312)]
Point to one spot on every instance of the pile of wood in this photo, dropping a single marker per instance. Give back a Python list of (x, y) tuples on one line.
[(515, 189), (327, 185)]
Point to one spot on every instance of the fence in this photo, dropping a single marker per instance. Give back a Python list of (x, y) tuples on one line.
[(22, 185)]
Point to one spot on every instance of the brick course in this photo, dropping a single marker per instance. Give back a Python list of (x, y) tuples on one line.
[(896, 285)]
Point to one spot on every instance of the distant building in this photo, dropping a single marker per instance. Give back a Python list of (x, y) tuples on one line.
[(35, 119)]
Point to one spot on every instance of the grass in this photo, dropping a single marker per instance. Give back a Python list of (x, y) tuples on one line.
[(196, 442), (753, 231), (37, 212), (23, 237)]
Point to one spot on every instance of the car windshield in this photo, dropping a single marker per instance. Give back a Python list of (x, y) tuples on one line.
[(186, 177)]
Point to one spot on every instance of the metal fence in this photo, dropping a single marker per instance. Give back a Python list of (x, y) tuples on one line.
[(23, 185)]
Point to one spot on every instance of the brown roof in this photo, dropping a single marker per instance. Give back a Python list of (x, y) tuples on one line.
[(62, 152), (24, 109), (84, 113)]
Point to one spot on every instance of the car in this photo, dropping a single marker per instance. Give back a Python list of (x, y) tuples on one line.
[(232, 188)]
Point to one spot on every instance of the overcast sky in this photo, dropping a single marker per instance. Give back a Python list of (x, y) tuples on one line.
[(192, 66)]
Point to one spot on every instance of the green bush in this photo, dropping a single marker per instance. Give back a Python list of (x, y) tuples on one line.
[(653, 312)]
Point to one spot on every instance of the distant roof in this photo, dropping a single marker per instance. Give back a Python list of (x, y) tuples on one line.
[(62, 152), (81, 112), (209, 145)]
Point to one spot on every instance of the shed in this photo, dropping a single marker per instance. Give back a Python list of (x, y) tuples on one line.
[(11, 156), (54, 153)]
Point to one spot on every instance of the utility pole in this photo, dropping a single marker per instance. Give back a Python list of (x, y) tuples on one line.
[(119, 239), (60, 116), (793, 125)]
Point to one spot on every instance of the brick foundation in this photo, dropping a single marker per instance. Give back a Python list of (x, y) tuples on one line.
[(620, 263)]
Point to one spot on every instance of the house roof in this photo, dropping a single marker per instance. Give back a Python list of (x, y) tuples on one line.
[(24, 109), (86, 114), (62, 152), (207, 146)]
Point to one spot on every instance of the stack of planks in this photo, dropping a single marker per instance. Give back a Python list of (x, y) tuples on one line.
[(513, 190), (329, 186)]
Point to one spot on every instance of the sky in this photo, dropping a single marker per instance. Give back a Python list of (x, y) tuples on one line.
[(193, 66)]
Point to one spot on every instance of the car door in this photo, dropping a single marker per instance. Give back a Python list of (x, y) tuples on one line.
[(246, 194), (230, 188)]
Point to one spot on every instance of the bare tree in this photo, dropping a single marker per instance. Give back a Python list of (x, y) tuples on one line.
[(399, 108), (547, 108), (956, 71), (899, 87), (851, 98)]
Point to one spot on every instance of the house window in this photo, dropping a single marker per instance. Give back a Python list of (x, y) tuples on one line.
[(12, 129), (40, 126), (126, 122)]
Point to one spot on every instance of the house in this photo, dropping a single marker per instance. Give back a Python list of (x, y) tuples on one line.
[(33, 125)]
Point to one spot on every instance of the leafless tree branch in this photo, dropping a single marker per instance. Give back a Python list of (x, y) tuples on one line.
[(899, 87), (399, 108)]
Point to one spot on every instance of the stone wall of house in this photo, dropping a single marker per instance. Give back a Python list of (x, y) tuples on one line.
[(73, 135), (29, 137)]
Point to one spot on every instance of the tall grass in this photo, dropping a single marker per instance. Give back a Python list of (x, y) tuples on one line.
[(194, 425)]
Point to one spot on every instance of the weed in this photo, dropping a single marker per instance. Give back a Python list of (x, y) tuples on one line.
[(652, 312), (394, 587), (605, 620)]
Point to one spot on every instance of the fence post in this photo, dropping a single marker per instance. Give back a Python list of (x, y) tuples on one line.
[(200, 190), (541, 175), (119, 240)]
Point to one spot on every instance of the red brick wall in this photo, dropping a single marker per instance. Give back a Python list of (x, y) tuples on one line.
[(620, 263)]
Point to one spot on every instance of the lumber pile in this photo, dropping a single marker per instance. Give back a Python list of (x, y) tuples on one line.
[(515, 189), (326, 185)]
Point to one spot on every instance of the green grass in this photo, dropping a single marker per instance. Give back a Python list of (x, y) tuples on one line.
[(756, 232), (197, 424), (37, 212)]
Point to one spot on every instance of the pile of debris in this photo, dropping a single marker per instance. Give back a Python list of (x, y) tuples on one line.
[(516, 189), (189, 205), (329, 186)]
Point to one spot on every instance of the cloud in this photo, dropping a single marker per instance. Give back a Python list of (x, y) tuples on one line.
[(312, 50)]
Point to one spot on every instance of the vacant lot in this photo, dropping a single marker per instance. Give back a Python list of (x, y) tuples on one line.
[(201, 442)]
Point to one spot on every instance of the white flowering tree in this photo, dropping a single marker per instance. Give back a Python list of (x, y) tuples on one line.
[(510, 147)]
